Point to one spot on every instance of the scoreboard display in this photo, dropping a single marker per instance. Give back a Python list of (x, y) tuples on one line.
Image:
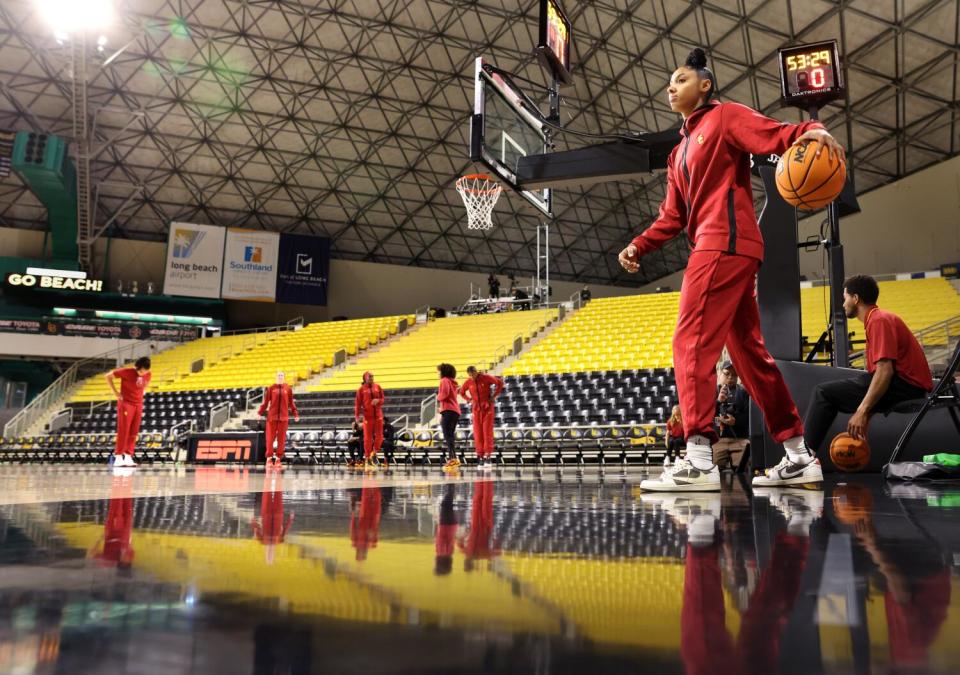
[(553, 47), (810, 74)]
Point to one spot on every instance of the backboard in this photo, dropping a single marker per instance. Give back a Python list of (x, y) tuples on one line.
[(502, 131)]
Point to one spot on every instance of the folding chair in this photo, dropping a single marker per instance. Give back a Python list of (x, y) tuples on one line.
[(945, 395)]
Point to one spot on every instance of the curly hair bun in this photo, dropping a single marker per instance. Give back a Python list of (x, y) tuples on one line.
[(696, 59)]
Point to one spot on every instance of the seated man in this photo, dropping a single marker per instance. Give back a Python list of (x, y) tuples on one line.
[(897, 371)]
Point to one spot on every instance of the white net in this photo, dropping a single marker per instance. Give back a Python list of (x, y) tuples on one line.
[(480, 193)]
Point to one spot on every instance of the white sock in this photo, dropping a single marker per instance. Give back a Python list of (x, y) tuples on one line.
[(797, 451), (700, 452)]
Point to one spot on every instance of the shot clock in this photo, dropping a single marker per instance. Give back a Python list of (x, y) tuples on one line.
[(810, 75), (553, 47)]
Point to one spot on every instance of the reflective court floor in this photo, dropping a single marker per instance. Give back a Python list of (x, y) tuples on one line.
[(233, 570)]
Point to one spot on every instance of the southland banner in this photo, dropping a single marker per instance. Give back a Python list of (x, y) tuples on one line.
[(194, 260), (250, 265), (303, 268)]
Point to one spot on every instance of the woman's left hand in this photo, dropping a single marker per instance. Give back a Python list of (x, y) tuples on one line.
[(823, 139)]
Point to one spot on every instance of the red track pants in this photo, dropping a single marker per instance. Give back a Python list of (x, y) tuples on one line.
[(372, 435), (128, 426), (483, 430), (276, 431), (718, 304)]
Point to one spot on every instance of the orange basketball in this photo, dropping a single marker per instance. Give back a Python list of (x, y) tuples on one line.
[(848, 454), (852, 503), (807, 181)]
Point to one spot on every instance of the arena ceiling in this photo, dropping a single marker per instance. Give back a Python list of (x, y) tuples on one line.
[(349, 118)]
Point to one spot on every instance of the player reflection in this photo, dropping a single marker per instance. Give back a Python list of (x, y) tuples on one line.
[(705, 645), (917, 579), (478, 543), (115, 547), (271, 529), (365, 518), (446, 532)]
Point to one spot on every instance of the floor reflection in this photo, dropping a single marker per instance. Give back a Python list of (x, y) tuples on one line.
[(490, 574)]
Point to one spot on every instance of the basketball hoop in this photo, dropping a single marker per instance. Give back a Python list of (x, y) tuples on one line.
[(480, 193)]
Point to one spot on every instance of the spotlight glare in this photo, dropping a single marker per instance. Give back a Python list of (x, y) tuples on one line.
[(75, 16)]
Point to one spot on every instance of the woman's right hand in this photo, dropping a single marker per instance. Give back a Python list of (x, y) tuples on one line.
[(628, 259)]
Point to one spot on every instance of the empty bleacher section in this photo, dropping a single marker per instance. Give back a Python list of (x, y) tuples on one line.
[(175, 363), (919, 302), (335, 408), (411, 363), (161, 411), (611, 397), (608, 334), (57, 447), (300, 354)]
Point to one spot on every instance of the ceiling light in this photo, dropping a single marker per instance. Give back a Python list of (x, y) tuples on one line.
[(76, 16)]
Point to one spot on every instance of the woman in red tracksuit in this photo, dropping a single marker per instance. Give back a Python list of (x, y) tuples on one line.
[(478, 389), (368, 406), (277, 405), (708, 195)]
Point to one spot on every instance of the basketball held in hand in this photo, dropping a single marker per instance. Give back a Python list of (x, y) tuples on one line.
[(849, 454), (807, 181)]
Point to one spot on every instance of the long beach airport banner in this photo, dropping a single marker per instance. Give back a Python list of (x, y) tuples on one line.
[(194, 260), (250, 265)]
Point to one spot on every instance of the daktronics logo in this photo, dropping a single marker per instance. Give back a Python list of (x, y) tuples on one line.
[(224, 450)]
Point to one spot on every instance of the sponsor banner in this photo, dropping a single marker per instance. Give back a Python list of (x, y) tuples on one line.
[(240, 447), (74, 328), (21, 326), (194, 260), (303, 266), (250, 265)]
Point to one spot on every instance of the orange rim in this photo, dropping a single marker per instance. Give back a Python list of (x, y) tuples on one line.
[(478, 191)]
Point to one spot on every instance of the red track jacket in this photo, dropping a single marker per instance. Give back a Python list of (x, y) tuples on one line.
[(366, 395), (279, 399), (708, 179), (479, 392)]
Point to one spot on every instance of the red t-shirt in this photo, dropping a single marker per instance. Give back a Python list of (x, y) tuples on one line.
[(889, 338), (675, 429), (131, 384)]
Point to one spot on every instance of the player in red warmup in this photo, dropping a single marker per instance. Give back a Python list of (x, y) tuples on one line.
[(133, 382), (480, 390), (449, 412), (709, 197), (368, 407), (277, 405)]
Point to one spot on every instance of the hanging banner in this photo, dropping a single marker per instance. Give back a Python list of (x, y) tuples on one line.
[(303, 268), (250, 265), (194, 260)]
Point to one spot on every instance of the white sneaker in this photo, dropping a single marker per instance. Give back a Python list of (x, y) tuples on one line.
[(684, 477), (789, 473), (130, 461), (799, 505), (120, 460), (697, 513)]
